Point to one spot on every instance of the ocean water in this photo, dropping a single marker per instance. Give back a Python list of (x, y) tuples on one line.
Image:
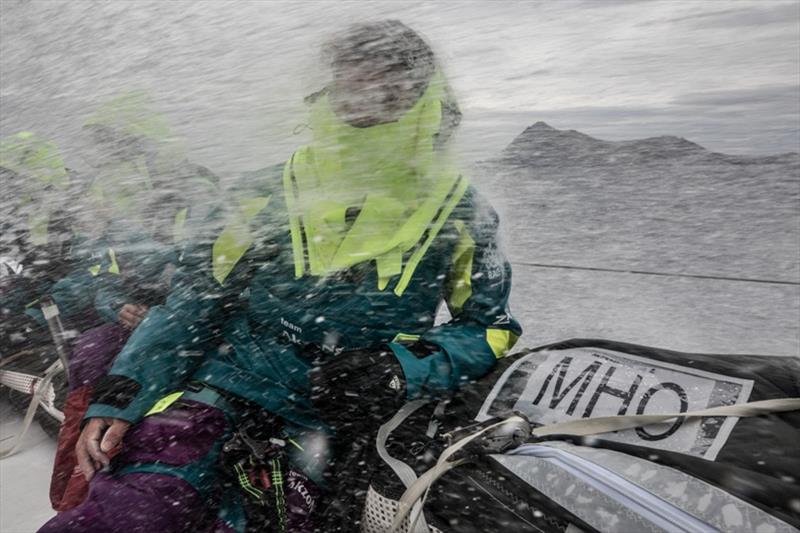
[(703, 250)]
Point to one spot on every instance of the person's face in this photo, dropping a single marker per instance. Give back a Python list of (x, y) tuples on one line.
[(365, 94), (110, 146)]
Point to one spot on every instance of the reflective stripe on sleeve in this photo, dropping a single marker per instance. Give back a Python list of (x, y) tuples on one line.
[(461, 274), (500, 341), (162, 404)]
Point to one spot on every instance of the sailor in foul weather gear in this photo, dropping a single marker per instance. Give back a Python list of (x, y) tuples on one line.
[(139, 206), (37, 237), (328, 265)]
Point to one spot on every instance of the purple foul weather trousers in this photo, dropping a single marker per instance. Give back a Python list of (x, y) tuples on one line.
[(94, 352), (165, 479)]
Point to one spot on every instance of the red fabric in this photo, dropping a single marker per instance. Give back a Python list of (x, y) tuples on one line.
[(68, 487)]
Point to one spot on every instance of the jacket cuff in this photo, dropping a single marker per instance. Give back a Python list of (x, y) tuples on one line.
[(425, 375), (415, 370), (99, 410), (120, 397), (467, 347), (109, 309)]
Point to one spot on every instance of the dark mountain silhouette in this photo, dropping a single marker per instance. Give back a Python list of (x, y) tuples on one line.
[(542, 145)]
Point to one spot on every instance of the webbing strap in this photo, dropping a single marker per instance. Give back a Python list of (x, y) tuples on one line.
[(604, 424), (13, 357), (36, 398), (280, 500), (244, 482), (418, 492), (401, 469), (52, 316)]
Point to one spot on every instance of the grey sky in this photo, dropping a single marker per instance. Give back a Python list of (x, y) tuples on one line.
[(231, 75)]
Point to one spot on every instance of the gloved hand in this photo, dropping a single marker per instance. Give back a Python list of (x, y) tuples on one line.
[(354, 392), (353, 385)]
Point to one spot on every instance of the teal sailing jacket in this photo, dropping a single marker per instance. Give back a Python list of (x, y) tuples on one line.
[(239, 318)]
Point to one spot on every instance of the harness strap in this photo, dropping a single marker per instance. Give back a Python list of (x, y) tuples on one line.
[(244, 482), (280, 499), (401, 469)]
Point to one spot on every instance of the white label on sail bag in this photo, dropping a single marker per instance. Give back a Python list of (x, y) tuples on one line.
[(561, 385)]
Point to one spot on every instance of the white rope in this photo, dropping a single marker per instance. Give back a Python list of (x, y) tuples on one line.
[(605, 424), (421, 487), (51, 315), (39, 390), (583, 427)]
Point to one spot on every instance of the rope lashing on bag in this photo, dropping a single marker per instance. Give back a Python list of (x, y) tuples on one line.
[(605, 424), (418, 491)]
